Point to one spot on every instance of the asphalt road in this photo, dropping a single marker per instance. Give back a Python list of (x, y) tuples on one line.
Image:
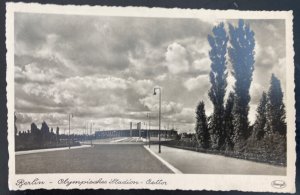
[(200, 163), (110, 158)]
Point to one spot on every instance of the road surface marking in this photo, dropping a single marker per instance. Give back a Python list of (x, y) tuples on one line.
[(118, 140), (126, 140), (49, 149), (163, 161)]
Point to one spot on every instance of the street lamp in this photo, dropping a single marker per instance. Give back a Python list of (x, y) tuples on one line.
[(70, 116), (148, 134), (145, 128), (92, 133), (86, 132), (159, 116)]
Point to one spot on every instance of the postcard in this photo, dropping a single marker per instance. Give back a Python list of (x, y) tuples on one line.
[(150, 98)]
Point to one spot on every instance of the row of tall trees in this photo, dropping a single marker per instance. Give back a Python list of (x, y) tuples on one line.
[(228, 128)]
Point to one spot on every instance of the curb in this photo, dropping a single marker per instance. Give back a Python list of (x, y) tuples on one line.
[(171, 167), (49, 150)]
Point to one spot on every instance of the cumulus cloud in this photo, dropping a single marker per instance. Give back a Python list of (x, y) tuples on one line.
[(197, 83), (202, 64), (161, 77), (104, 68), (167, 107), (142, 87), (176, 58), (95, 82), (33, 73)]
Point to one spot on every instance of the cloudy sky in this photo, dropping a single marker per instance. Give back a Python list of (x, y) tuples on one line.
[(104, 69)]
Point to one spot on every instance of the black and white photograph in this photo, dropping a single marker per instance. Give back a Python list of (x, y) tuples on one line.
[(102, 95)]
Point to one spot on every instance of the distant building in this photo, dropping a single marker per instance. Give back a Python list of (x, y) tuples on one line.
[(36, 138), (135, 133)]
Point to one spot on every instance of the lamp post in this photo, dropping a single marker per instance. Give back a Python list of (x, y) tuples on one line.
[(145, 128), (92, 133), (159, 116), (70, 116), (148, 134), (86, 133)]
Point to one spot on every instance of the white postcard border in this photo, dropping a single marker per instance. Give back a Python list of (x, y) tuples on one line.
[(259, 183)]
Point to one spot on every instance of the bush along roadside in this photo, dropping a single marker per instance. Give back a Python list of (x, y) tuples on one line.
[(252, 154)]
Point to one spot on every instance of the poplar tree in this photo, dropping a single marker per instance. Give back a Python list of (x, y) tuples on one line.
[(241, 53), (218, 43), (202, 133), (261, 118), (228, 122), (275, 108)]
